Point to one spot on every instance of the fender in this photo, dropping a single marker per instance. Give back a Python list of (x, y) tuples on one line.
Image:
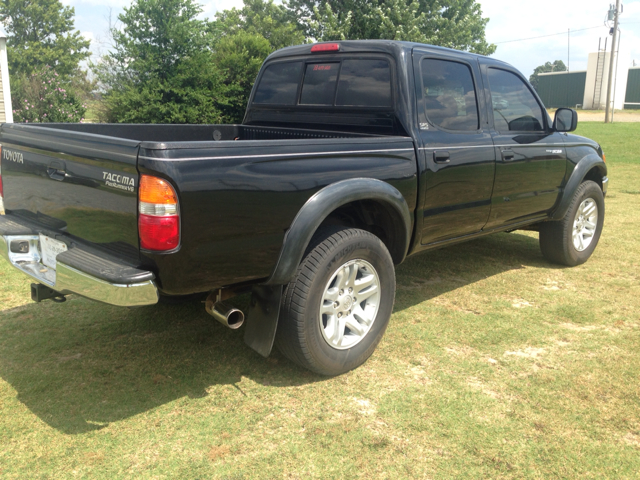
[(323, 203), (577, 176)]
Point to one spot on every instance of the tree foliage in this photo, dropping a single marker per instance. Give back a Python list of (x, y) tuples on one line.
[(169, 66), (238, 58), (161, 68), (45, 98), (448, 23), (262, 18), (39, 34), (241, 40), (557, 66)]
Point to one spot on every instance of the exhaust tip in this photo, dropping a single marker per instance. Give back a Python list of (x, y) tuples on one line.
[(235, 318), (230, 317)]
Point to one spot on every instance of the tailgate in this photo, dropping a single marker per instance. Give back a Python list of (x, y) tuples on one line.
[(73, 183)]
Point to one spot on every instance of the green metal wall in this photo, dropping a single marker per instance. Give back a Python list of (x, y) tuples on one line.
[(633, 89), (562, 90)]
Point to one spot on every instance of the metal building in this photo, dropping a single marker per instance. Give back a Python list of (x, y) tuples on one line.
[(633, 89), (562, 89), (568, 89)]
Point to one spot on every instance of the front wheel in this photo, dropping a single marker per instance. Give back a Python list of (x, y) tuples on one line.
[(572, 240), (337, 307)]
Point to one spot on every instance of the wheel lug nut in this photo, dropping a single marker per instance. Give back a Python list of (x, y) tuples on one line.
[(339, 314), (350, 289), (336, 304), (341, 292)]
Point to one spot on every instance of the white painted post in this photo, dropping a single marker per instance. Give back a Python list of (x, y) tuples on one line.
[(6, 87)]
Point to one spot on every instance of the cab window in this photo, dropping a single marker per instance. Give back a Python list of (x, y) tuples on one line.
[(279, 84), (514, 106), (450, 96)]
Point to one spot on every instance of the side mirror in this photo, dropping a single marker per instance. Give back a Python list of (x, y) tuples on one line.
[(566, 120)]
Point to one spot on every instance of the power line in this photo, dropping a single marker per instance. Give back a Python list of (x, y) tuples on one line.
[(550, 35)]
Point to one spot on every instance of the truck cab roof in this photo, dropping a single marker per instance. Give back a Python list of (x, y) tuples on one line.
[(338, 106), (395, 48)]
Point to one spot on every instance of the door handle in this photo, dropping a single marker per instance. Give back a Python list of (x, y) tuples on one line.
[(440, 156), (508, 155)]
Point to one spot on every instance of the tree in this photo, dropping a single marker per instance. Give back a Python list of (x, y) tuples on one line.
[(273, 22), (45, 98), (39, 34), (239, 58), (241, 40), (449, 23), (161, 69), (557, 66)]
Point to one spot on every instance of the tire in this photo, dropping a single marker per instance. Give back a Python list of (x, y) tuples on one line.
[(312, 339), (557, 240)]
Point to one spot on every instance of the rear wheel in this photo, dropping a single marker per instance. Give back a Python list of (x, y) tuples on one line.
[(572, 240), (337, 307)]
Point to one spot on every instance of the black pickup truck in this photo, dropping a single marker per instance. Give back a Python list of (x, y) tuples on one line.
[(351, 156)]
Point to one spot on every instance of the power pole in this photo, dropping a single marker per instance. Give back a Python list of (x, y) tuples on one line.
[(616, 14)]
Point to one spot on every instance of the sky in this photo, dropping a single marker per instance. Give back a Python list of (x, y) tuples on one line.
[(510, 22)]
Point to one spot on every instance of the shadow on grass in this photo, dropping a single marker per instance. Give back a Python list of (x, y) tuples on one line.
[(80, 366), (432, 273)]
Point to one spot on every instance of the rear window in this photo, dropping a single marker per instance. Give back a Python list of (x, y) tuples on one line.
[(279, 84), (365, 82), (319, 87), (346, 83)]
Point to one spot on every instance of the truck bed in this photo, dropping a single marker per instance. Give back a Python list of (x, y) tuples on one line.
[(239, 188)]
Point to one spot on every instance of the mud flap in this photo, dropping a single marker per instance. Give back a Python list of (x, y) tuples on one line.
[(262, 320)]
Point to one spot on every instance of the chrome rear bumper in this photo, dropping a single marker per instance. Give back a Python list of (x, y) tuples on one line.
[(67, 279)]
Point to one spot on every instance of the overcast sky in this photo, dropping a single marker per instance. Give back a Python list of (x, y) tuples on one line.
[(509, 21)]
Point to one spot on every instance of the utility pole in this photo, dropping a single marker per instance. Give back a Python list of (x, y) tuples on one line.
[(616, 14)]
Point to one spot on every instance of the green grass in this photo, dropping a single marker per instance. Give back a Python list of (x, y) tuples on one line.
[(496, 364)]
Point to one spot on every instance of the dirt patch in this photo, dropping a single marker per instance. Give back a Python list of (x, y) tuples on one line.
[(218, 452), (519, 303), (477, 384), (632, 439), (459, 351), (579, 328), (364, 406), (529, 352), (619, 116)]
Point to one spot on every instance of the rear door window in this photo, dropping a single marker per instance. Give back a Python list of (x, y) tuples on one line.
[(450, 96), (279, 84)]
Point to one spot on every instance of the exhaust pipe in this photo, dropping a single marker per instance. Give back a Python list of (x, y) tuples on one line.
[(228, 316)]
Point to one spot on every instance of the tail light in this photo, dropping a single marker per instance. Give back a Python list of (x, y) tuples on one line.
[(158, 215), (325, 47), (1, 189)]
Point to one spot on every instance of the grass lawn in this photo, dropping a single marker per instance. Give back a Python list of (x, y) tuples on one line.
[(496, 364)]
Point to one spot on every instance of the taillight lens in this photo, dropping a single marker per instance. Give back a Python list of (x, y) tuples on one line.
[(325, 47), (158, 215)]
